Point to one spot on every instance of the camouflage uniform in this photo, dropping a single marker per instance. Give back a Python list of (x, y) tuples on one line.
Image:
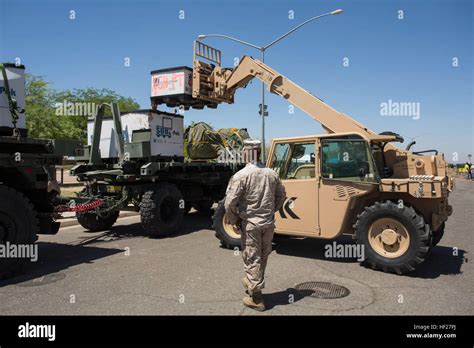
[(253, 195)]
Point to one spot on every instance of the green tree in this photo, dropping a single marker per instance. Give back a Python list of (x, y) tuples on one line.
[(41, 120), (63, 114), (84, 102)]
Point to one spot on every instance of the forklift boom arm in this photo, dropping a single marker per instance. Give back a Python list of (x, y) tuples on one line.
[(216, 84)]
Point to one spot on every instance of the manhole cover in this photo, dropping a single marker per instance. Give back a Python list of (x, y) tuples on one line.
[(47, 279), (322, 290)]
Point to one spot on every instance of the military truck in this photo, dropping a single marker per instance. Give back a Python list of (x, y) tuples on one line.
[(352, 180), (141, 166), (27, 177)]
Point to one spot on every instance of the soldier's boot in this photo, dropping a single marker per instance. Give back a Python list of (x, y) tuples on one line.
[(246, 284), (255, 301)]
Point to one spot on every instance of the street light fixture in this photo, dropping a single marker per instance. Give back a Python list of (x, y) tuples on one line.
[(262, 49)]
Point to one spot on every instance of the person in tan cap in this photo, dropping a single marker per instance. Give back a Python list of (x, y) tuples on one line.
[(253, 196)]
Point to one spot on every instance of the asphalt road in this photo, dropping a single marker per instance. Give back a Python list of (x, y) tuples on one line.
[(125, 272)]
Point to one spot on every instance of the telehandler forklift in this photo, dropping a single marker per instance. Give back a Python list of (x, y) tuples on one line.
[(351, 180)]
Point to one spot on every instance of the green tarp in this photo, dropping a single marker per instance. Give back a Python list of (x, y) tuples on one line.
[(202, 142)]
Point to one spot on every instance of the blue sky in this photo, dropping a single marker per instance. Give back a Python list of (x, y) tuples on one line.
[(403, 60)]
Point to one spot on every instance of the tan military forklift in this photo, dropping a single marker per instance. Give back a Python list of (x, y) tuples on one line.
[(351, 180)]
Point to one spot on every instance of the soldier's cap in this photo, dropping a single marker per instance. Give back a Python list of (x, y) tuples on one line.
[(252, 143)]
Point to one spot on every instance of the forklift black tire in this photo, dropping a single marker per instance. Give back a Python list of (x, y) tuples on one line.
[(228, 236), (204, 207), (395, 239), (162, 210), (94, 223), (438, 235), (19, 224)]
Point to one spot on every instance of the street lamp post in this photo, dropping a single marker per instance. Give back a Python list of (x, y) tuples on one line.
[(262, 49)]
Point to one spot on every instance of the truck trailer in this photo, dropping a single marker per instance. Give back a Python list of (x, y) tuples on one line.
[(136, 158)]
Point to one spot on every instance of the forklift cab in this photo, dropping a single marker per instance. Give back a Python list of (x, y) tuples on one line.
[(321, 174)]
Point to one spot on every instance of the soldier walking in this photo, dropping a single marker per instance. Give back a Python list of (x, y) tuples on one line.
[(253, 196)]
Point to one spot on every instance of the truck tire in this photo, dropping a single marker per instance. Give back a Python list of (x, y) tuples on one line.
[(228, 236), (204, 207), (394, 239), (19, 224), (94, 223), (438, 235), (187, 207), (161, 210)]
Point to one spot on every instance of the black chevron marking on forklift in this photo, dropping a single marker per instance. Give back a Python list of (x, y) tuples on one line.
[(282, 213), (286, 208)]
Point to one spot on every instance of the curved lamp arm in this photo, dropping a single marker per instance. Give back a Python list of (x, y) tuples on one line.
[(335, 12)]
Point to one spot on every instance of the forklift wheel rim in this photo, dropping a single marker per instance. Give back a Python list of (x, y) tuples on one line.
[(389, 237), (230, 229)]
